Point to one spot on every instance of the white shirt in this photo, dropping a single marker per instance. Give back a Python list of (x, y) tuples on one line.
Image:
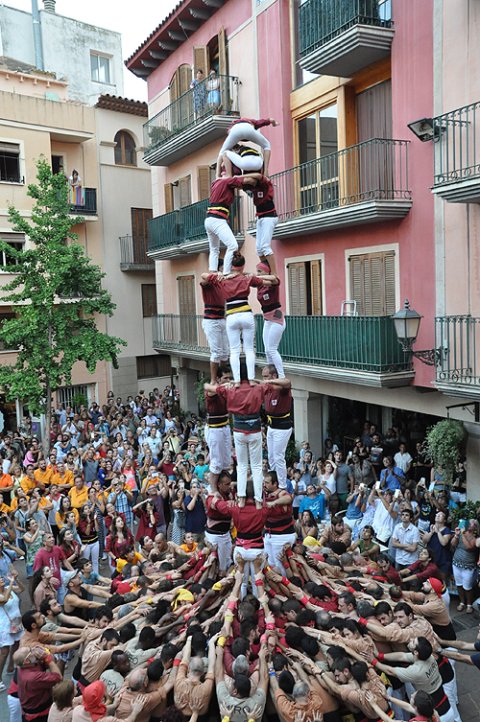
[(408, 535), (403, 461)]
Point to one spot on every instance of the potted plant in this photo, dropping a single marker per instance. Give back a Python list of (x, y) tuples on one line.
[(444, 444)]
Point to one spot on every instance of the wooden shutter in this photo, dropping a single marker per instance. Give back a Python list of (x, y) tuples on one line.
[(297, 289), (175, 86), (185, 191), (168, 192), (149, 300), (185, 78), (316, 287), (201, 59), (203, 178), (372, 283), (186, 295), (222, 53), (140, 218)]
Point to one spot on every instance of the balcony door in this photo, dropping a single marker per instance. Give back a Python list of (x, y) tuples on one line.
[(187, 310), (140, 218), (181, 108), (375, 161), (305, 288), (317, 175), (372, 283)]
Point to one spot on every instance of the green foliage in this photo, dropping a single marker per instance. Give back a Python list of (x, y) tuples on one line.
[(291, 452), (471, 510), (58, 299), (200, 391), (444, 443)]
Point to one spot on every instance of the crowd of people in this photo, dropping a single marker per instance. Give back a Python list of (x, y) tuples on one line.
[(163, 568)]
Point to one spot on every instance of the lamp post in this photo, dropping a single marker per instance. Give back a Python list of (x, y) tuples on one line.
[(407, 323)]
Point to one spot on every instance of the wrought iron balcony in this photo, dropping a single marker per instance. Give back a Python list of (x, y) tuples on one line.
[(457, 155), (183, 232), (340, 37), (196, 118), (359, 349), (458, 371), (133, 255), (365, 183), (89, 206)]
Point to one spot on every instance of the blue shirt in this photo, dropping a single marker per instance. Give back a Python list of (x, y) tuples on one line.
[(390, 481), (314, 504), (354, 511)]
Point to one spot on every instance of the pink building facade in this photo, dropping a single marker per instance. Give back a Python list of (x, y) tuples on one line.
[(358, 222)]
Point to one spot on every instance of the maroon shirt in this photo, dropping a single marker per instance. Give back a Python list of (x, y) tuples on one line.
[(278, 401), (216, 407), (249, 522), (222, 194), (35, 688), (217, 523), (256, 123), (269, 299), (244, 399), (213, 298), (279, 518), (238, 287), (262, 195), (52, 559)]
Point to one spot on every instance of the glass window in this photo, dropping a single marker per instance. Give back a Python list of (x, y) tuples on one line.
[(100, 68), (149, 300), (10, 163), (125, 149), (16, 241)]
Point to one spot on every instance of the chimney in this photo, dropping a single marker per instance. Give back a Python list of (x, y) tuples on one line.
[(49, 6)]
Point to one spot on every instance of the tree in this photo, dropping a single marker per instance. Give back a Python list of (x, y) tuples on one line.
[(57, 297)]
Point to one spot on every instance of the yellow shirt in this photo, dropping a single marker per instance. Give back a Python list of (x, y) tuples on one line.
[(67, 478), (27, 484), (43, 477), (5, 481), (78, 498), (61, 522), (4, 508)]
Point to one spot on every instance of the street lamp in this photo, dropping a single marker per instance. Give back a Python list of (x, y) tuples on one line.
[(426, 129), (406, 323)]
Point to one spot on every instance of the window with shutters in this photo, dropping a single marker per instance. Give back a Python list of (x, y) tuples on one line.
[(181, 113), (372, 283), (10, 166), (187, 309), (15, 241), (140, 218), (150, 367), (149, 300), (178, 194), (205, 178), (125, 153), (305, 288)]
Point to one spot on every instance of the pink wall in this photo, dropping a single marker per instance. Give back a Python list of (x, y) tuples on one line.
[(230, 17), (275, 81), (412, 98)]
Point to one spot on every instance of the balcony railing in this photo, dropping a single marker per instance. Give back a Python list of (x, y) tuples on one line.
[(133, 254), (457, 154), (320, 21), (376, 170), (459, 365), (340, 37), (89, 207), (365, 344), (191, 108), (186, 225)]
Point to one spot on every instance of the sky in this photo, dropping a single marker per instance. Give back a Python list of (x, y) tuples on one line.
[(134, 19)]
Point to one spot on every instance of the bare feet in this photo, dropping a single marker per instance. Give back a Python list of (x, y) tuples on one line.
[(258, 504), (241, 501), (252, 383)]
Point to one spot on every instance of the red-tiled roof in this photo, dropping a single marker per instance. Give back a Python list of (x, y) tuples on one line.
[(122, 105), (186, 17)]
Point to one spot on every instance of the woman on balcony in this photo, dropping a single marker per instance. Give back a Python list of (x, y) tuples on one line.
[(240, 321)]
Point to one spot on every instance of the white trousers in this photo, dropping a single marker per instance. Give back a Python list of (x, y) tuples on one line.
[(277, 442), (450, 689), (218, 230), (219, 442), (249, 555), (223, 544), (14, 708), (247, 163), (244, 131), (241, 329), (265, 229), (249, 448), (272, 335), (274, 544), (215, 330), (92, 552)]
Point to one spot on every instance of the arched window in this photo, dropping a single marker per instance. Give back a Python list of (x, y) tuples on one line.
[(125, 149)]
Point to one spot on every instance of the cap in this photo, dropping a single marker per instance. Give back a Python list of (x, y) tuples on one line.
[(68, 576), (436, 585)]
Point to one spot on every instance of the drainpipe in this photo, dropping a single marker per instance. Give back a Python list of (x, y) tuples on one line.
[(37, 36)]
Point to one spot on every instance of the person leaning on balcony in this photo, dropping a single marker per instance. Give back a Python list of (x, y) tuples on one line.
[(199, 93), (240, 321), (246, 129), (222, 194)]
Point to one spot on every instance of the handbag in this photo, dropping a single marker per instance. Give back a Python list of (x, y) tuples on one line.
[(15, 624)]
